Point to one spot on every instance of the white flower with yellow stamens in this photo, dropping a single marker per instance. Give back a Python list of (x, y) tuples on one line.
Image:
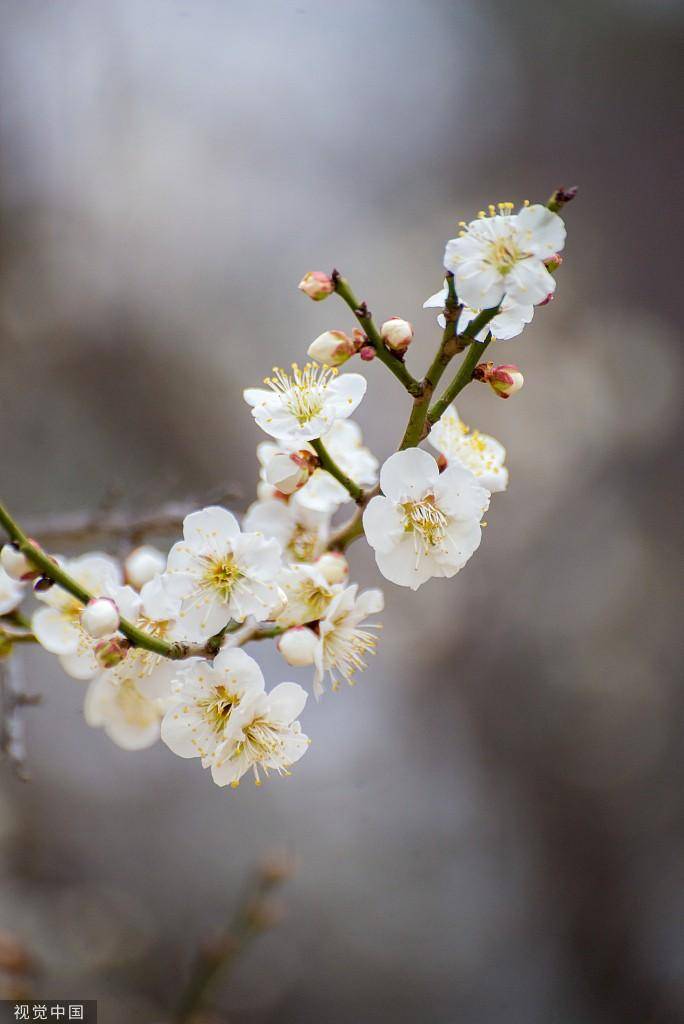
[(425, 523), (128, 704), (344, 638), (504, 254), (483, 455), (307, 594), (220, 573), (58, 626), (262, 733), (508, 323), (304, 405), (301, 533)]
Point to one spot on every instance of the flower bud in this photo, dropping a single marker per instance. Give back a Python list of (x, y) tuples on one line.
[(298, 645), (112, 651), (316, 285), (397, 334), (143, 564), (287, 473), (506, 380), (367, 352), (100, 617), (333, 566), (42, 584), (553, 262), (332, 348), (16, 564)]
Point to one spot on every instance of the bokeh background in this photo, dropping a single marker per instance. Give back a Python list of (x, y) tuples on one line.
[(490, 827)]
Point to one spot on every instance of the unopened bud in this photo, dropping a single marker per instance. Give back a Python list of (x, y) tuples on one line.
[(316, 285), (397, 334), (287, 473), (553, 262), (100, 617), (367, 352), (16, 564), (442, 462), (298, 646), (506, 380), (111, 652), (333, 566), (42, 584), (143, 564), (332, 347)]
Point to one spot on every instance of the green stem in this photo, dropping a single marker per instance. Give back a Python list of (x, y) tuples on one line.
[(58, 575), (329, 464), (393, 363), (450, 345), (463, 377)]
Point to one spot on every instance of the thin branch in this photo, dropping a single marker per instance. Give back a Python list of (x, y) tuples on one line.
[(360, 310), (329, 464), (463, 377)]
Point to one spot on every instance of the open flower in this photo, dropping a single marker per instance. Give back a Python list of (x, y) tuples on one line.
[(504, 254), (304, 405), (508, 323), (425, 523), (301, 533), (262, 733), (307, 594), (204, 696), (129, 708), (220, 573), (483, 455), (344, 638), (11, 592), (58, 626)]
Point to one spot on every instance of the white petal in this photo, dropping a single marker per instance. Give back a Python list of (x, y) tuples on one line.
[(382, 523), (204, 528), (459, 494), (541, 231), (256, 396), (286, 702), (347, 390), (54, 632), (82, 664), (408, 475), (529, 282), (369, 603), (240, 672), (437, 300), (401, 566)]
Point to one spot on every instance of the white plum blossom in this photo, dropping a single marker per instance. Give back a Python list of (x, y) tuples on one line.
[(344, 637), (221, 573), (483, 455), (425, 523), (504, 254), (303, 405), (58, 626), (298, 645), (301, 533), (222, 715), (11, 592), (129, 708), (307, 594), (262, 733), (508, 323)]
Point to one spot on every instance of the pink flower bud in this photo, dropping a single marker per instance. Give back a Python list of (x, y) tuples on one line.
[(287, 473), (333, 566), (332, 348), (143, 564), (16, 564), (553, 262), (397, 334), (298, 646), (506, 380), (100, 617), (111, 652), (367, 353), (316, 285)]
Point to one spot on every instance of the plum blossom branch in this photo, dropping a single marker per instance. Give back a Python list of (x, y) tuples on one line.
[(54, 572), (360, 310), (329, 464), (462, 378)]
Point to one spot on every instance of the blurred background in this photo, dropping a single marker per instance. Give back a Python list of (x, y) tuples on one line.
[(490, 827)]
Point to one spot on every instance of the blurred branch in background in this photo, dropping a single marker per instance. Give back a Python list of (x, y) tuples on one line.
[(257, 912), (13, 699)]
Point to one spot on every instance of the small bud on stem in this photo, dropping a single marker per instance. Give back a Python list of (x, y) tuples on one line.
[(316, 285)]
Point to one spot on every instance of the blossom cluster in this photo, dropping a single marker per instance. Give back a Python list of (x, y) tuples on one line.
[(160, 640)]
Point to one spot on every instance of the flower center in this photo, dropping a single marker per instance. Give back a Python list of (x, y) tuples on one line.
[(425, 521), (345, 648), (221, 576), (303, 544), (217, 708), (315, 597), (303, 391), (503, 254)]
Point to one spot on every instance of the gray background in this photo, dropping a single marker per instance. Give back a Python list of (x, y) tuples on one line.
[(490, 827)]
